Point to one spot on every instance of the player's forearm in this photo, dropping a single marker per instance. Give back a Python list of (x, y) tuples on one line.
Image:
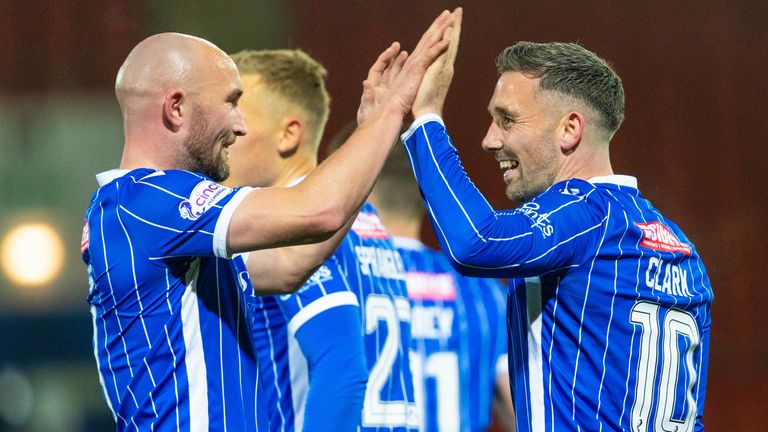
[(318, 207), (462, 218), (284, 270), (340, 184)]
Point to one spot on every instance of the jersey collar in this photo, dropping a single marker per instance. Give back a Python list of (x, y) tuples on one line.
[(619, 180), (107, 176)]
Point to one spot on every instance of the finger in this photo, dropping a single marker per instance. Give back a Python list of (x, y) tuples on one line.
[(378, 68), (434, 32), (397, 66), (385, 77), (455, 29)]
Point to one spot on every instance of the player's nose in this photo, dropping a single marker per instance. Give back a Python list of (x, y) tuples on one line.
[(239, 127), (492, 140)]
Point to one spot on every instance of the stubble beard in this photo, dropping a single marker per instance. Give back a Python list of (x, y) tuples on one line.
[(204, 149), (538, 173)]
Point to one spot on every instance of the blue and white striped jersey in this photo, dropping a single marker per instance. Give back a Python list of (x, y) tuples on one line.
[(611, 329), (170, 337), (458, 338), (366, 273)]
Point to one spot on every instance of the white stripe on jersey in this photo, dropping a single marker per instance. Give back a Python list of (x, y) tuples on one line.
[(610, 318), (583, 310), (535, 366), (151, 398), (135, 282), (114, 302), (98, 365), (175, 381), (221, 347), (139, 218), (320, 305), (299, 380), (197, 374)]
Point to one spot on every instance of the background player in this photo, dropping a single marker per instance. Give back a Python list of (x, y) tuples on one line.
[(611, 329), (159, 225), (316, 347), (458, 325)]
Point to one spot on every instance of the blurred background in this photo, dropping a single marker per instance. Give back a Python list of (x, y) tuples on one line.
[(694, 75)]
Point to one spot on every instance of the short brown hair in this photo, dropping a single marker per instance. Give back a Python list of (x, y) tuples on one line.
[(296, 76), (570, 69)]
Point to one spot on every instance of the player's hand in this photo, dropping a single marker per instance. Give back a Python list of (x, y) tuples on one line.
[(380, 77), (434, 87), (395, 77)]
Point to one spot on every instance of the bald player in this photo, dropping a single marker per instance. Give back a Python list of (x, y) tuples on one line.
[(161, 234)]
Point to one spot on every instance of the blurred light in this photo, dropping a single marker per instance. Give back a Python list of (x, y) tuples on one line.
[(32, 254), (16, 396)]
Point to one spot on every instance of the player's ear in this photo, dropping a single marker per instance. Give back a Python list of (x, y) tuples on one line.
[(571, 130), (174, 109), (290, 137)]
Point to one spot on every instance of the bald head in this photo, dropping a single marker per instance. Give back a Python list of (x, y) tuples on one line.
[(179, 95), (165, 61)]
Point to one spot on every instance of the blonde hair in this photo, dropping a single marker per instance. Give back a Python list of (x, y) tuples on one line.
[(295, 76)]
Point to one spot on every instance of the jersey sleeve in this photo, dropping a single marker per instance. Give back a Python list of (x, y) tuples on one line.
[(333, 345), (555, 230), (326, 289), (179, 213)]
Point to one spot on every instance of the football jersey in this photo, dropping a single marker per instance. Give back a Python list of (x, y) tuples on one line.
[(610, 330), (365, 272), (458, 339), (170, 336)]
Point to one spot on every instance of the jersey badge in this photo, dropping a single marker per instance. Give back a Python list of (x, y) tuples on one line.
[(204, 196), (658, 237)]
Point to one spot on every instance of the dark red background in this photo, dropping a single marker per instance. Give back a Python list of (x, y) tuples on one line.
[(694, 135)]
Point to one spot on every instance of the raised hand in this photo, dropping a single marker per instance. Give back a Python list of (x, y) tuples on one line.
[(380, 76), (434, 87), (395, 76)]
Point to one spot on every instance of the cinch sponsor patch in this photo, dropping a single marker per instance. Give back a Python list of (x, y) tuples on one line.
[(204, 196), (368, 225), (430, 286), (658, 237)]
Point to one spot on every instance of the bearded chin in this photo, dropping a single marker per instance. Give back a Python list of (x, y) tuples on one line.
[(219, 171), (200, 156)]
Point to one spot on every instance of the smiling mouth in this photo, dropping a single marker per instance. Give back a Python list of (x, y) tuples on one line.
[(508, 164)]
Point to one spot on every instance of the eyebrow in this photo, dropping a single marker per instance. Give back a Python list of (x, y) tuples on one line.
[(501, 111)]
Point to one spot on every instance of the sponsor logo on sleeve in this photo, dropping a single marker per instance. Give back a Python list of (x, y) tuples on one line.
[(85, 241), (540, 220), (658, 237), (204, 196), (368, 225)]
